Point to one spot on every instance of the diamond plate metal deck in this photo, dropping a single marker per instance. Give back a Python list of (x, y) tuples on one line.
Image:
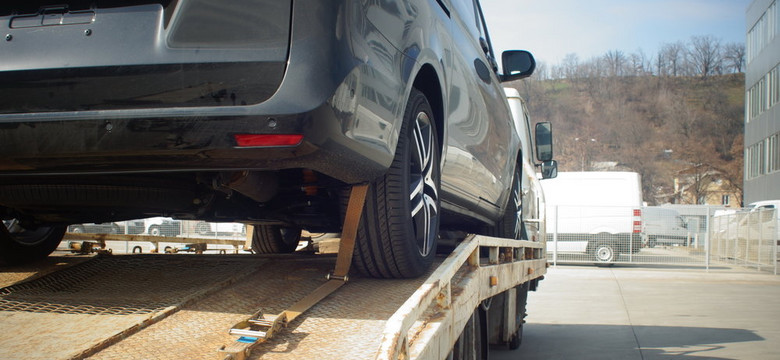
[(74, 312), (181, 307)]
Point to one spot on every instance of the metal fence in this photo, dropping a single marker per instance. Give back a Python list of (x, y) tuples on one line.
[(689, 235)]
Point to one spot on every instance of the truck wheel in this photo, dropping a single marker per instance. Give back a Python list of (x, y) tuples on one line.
[(400, 223), (77, 229), (522, 298), (469, 345), (511, 224), (604, 253), (274, 239), (137, 250), (19, 245), (155, 231)]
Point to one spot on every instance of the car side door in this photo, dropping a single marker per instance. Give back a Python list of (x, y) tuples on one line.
[(478, 117)]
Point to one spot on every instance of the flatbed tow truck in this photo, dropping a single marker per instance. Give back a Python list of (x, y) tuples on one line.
[(218, 306)]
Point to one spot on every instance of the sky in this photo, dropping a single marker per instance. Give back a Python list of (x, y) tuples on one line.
[(551, 29)]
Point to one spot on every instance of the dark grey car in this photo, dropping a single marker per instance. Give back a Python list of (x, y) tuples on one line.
[(256, 111)]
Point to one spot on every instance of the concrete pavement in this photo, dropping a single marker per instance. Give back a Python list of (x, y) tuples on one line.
[(625, 312)]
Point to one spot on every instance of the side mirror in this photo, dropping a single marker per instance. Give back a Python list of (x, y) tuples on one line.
[(544, 141), (549, 169), (517, 64)]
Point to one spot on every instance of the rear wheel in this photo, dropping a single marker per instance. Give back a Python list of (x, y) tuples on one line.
[(604, 253), (275, 239), (471, 345), (400, 223), (19, 245), (155, 231)]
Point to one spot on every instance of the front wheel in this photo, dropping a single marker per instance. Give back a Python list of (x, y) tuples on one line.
[(274, 239), (511, 223), (400, 224), (19, 245)]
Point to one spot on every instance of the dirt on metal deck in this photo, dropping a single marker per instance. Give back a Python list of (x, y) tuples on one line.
[(182, 306), (73, 312)]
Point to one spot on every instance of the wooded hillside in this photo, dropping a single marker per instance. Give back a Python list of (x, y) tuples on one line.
[(663, 127)]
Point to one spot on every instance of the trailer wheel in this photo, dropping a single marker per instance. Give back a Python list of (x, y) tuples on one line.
[(137, 250), (400, 224), (19, 245), (604, 253), (274, 239)]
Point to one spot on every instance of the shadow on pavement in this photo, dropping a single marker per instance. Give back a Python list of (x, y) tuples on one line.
[(565, 341)]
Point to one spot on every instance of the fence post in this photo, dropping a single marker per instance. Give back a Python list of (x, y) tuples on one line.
[(747, 239), (555, 237), (774, 242), (707, 230), (760, 239)]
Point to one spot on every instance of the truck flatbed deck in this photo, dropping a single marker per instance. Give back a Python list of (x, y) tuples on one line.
[(181, 307)]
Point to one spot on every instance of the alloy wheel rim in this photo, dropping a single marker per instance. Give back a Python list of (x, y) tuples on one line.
[(423, 192)]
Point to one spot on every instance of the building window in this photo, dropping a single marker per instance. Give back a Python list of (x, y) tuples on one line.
[(724, 199)]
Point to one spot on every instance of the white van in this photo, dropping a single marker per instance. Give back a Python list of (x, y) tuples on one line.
[(596, 213), (664, 226)]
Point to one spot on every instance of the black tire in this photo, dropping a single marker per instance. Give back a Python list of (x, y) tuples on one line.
[(138, 250), (469, 345), (652, 241), (522, 298), (399, 227), (510, 225), (19, 245), (604, 253), (274, 239)]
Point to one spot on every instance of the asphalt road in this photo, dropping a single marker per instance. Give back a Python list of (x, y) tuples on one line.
[(629, 312)]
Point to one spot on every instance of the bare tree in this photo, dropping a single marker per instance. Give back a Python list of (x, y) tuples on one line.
[(734, 56), (616, 61), (674, 57), (570, 66), (639, 63), (705, 55)]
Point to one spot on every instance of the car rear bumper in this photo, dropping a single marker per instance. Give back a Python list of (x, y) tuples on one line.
[(116, 117)]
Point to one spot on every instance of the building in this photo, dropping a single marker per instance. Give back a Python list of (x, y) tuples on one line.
[(762, 95)]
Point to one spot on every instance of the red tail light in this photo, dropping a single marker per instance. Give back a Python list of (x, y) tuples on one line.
[(267, 140)]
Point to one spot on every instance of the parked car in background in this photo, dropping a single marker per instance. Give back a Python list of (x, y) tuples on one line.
[(220, 229), (162, 226), (263, 112), (104, 228), (664, 226)]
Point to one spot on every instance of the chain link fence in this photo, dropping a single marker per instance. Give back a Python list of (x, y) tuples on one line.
[(160, 234), (665, 235)]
